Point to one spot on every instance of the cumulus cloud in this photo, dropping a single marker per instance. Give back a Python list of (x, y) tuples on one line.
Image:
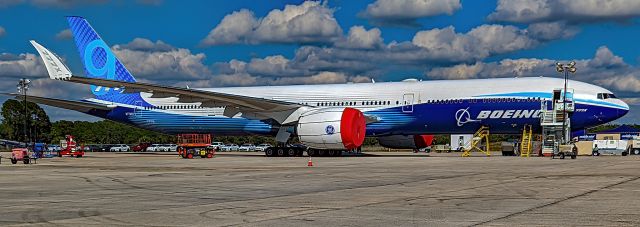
[(405, 12), (530, 11), (64, 34), (2, 31), (548, 31), (246, 79), (22, 65), (480, 42), (309, 22), (361, 38), (605, 69), (160, 61)]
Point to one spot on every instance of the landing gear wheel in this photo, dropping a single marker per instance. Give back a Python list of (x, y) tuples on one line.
[(291, 152), (268, 152), (311, 152), (280, 152)]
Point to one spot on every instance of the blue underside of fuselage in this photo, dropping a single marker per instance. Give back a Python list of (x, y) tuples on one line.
[(425, 118)]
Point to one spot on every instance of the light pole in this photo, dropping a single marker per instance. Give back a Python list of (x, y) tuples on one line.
[(566, 69), (23, 86)]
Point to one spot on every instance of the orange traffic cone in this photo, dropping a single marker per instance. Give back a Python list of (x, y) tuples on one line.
[(310, 163)]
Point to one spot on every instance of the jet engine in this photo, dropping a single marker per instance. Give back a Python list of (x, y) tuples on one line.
[(406, 141), (332, 128)]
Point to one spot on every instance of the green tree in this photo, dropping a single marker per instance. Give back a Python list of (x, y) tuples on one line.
[(38, 124)]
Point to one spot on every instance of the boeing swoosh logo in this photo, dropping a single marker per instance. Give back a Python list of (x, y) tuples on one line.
[(463, 116)]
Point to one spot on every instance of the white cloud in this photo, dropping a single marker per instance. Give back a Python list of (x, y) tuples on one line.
[(246, 79), (529, 11), (629, 82), (360, 38), (309, 22), (64, 34), (2, 31), (605, 69), (236, 27), (552, 31), (479, 43), (160, 61), (22, 65), (406, 11)]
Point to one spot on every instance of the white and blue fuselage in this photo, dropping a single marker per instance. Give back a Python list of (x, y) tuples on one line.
[(401, 108)]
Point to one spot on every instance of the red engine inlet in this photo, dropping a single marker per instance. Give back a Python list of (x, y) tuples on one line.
[(353, 127), (423, 141)]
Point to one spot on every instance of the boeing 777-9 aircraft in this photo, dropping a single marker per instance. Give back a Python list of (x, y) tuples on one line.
[(323, 117)]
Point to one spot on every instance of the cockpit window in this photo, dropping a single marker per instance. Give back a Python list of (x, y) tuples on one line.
[(606, 96)]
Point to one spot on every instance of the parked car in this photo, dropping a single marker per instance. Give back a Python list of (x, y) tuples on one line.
[(54, 148), (247, 147), (141, 147), (153, 148), (170, 147), (262, 147), (216, 145), (230, 147), (120, 148)]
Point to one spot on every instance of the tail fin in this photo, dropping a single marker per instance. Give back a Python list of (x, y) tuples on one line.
[(100, 62), (97, 58)]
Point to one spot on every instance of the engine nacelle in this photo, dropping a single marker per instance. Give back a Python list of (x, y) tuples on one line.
[(332, 128), (406, 141)]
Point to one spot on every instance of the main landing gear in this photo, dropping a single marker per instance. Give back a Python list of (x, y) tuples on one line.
[(323, 153), (284, 151)]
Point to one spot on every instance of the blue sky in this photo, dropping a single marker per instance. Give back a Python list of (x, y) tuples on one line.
[(330, 42)]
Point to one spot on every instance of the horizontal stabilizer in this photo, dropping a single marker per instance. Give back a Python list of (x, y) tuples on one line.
[(80, 106)]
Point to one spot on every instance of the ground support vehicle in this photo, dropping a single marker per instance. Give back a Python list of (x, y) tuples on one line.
[(566, 150), (20, 154), (634, 146), (190, 145), (38, 150), (614, 147), (69, 147)]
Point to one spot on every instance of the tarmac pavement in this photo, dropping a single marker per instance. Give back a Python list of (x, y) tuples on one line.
[(384, 189)]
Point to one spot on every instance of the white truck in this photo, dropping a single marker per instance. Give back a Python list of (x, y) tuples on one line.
[(615, 147), (634, 145)]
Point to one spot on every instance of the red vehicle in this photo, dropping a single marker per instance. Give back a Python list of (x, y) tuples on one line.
[(69, 147), (141, 147), (20, 154), (190, 145)]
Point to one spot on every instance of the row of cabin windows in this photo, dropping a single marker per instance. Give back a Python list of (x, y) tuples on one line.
[(362, 103), (174, 107), (369, 103)]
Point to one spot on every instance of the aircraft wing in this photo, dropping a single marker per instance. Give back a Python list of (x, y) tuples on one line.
[(233, 103), (80, 106)]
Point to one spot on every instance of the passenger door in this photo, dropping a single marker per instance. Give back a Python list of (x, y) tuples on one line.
[(407, 103)]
